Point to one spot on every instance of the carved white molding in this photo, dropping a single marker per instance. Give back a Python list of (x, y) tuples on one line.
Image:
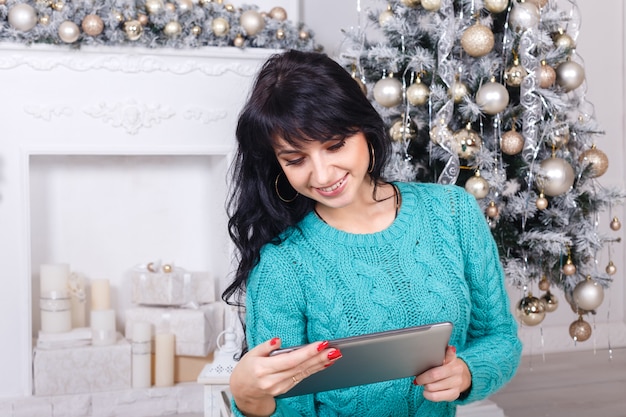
[(130, 115), (204, 116), (47, 112)]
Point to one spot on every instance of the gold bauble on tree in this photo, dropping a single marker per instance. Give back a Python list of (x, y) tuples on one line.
[(550, 302), (541, 202), (386, 16), (440, 133), (68, 31), (133, 29), (477, 40), (411, 3), (546, 75), (220, 26), (458, 91), (252, 22), (569, 268), (496, 6), (611, 269), (92, 25), (477, 186), (172, 28), (154, 6), (515, 74), (596, 160), (580, 330), (278, 13), (402, 129), (530, 310), (431, 5), (467, 142), (492, 210), (563, 40), (239, 41), (544, 284), (615, 224), (417, 94), (511, 142)]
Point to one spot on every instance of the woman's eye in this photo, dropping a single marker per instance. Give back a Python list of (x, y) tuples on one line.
[(295, 161), (338, 145)]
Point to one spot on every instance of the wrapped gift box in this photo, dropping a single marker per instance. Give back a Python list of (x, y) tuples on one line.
[(196, 329), (175, 288), (82, 369)]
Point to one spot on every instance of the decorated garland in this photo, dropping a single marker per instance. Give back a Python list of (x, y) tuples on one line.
[(150, 23)]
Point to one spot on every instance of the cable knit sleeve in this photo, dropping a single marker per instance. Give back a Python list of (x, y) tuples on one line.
[(493, 349), (275, 303)]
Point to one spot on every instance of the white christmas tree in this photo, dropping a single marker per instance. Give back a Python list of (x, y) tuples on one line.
[(490, 95)]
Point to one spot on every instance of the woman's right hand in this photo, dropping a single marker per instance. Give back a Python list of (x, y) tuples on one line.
[(259, 377)]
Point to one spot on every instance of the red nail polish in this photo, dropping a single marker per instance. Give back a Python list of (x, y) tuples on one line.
[(414, 381), (334, 354), (274, 341), (323, 345), (453, 349)]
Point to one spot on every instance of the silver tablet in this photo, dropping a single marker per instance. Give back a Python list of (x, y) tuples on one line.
[(378, 357)]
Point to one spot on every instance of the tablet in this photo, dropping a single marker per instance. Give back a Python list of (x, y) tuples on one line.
[(378, 357)]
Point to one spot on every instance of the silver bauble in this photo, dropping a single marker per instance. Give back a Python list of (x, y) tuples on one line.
[(431, 5), (417, 94), (588, 294), (477, 40), (403, 129), (92, 25), (570, 75), (546, 75), (492, 97), (555, 176), (458, 91), (172, 28), (597, 161), (22, 17), (68, 31), (252, 22), (580, 330), (278, 13), (496, 6), (477, 186), (530, 310), (388, 92), (154, 6), (511, 142), (220, 26), (467, 142), (185, 6), (133, 29), (572, 304), (524, 16), (550, 302)]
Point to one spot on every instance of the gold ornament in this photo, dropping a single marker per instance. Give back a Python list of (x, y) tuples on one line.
[(477, 186), (492, 97), (58, 6), (550, 302), (196, 30), (555, 176), (588, 294), (252, 22), (133, 29), (143, 19), (559, 137), (404, 128), (185, 6), (388, 91), (440, 133), (546, 75), (541, 202), (172, 28), (580, 330), (431, 5), (220, 26), (515, 74), (417, 93), (596, 160), (230, 8), (539, 3), (92, 25), (278, 13), (118, 16), (411, 3), (569, 268), (496, 6), (154, 6), (477, 40), (492, 210), (563, 41), (615, 224), (239, 41), (511, 142), (458, 91), (44, 20), (303, 35), (611, 269), (544, 284), (530, 310), (280, 34), (68, 31), (170, 7), (467, 142), (386, 16)]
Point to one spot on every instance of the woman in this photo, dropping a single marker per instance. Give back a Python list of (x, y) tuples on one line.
[(329, 249)]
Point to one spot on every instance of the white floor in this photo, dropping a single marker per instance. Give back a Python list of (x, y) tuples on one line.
[(573, 384)]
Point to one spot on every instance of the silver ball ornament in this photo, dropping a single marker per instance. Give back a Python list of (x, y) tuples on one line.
[(550, 302), (555, 176), (22, 17), (92, 25), (477, 186), (172, 28), (220, 26), (524, 16), (252, 22), (477, 40), (154, 6), (388, 92), (417, 94), (530, 310), (496, 6), (570, 75), (588, 294), (492, 97), (185, 6), (511, 142), (598, 162), (580, 330), (458, 91), (68, 31)]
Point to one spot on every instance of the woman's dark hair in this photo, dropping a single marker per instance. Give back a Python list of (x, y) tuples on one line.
[(297, 96)]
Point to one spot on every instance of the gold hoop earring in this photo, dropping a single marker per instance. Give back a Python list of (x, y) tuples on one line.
[(278, 192), (370, 169)]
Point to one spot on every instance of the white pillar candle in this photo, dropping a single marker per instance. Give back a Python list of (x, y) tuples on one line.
[(100, 294), (78, 300), (54, 301), (141, 359), (103, 327), (165, 345)]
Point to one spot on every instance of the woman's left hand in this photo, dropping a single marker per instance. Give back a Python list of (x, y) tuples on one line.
[(448, 381)]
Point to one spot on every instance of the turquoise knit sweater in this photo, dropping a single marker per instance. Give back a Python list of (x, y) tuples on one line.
[(436, 262)]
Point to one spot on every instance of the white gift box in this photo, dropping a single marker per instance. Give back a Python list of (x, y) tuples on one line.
[(82, 369), (174, 288), (195, 329)]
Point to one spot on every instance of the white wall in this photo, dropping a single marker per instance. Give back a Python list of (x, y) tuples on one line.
[(601, 45)]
